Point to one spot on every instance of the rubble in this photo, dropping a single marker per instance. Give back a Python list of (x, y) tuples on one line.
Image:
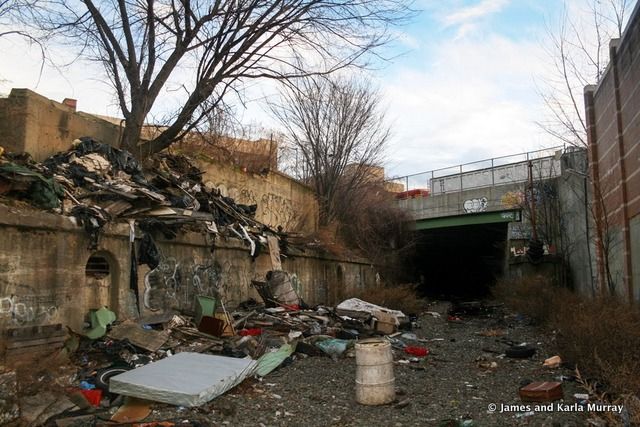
[(306, 341), (98, 184)]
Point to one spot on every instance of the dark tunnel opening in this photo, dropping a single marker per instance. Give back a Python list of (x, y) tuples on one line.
[(460, 262)]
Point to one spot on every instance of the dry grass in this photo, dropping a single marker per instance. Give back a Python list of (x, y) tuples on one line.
[(601, 336), (396, 297)]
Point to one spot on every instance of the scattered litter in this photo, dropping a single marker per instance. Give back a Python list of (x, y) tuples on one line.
[(416, 351), (547, 391), (147, 339), (402, 404), (355, 307), (334, 347), (100, 320), (525, 414), (93, 396), (520, 352), (270, 361), (552, 362), (253, 332), (132, 411)]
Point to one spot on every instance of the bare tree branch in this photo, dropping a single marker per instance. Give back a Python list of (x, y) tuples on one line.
[(337, 126), (578, 50), (215, 46)]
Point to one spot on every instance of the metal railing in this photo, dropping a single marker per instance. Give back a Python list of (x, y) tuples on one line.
[(483, 173)]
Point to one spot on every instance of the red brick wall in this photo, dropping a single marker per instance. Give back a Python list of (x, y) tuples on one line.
[(613, 120)]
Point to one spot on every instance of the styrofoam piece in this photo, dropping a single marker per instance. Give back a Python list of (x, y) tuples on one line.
[(186, 379)]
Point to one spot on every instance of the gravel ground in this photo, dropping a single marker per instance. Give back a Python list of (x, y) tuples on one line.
[(447, 385)]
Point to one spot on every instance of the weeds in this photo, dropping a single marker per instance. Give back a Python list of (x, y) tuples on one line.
[(398, 297), (601, 336)]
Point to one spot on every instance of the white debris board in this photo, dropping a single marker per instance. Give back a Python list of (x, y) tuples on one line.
[(186, 379)]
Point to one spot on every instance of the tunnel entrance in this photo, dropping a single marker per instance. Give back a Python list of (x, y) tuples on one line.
[(460, 262)]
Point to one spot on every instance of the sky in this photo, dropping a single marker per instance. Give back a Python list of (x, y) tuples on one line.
[(463, 84)]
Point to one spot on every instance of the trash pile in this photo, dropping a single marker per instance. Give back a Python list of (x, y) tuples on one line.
[(188, 359), (97, 183)]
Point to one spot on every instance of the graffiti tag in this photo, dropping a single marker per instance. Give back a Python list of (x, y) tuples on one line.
[(175, 283), (28, 310), (475, 205)]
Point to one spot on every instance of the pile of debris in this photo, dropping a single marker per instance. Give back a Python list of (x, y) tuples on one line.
[(97, 183), (188, 359)]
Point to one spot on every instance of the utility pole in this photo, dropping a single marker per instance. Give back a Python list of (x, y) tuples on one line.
[(535, 252), (532, 203)]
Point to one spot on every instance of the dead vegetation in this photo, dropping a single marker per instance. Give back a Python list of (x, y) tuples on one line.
[(397, 297), (599, 336)]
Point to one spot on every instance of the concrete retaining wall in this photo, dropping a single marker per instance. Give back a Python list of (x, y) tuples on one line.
[(43, 278)]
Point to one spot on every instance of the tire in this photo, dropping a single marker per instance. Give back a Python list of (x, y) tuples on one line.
[(520, 352), (104, 375)]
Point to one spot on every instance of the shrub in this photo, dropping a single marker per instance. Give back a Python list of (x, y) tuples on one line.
[(601, 336), (396, 297)]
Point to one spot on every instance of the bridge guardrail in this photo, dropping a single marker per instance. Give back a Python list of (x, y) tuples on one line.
[(483, 173)]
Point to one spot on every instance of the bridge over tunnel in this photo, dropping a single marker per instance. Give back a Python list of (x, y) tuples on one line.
[(461, 257)]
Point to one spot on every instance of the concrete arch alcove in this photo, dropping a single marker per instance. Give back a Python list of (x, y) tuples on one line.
[(101, 275)]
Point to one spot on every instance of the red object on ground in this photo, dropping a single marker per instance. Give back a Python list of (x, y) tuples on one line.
[(253, 332), (294, 307), (416, 351), (93, 396), (454, 319)]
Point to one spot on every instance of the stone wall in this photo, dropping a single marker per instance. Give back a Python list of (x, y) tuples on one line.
[(281, 200), (44, 277), (42, 127), (613, 131)]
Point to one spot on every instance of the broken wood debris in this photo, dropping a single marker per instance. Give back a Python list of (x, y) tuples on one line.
[(98, 184)]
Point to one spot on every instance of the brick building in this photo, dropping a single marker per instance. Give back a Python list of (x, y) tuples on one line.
[(613, 131)]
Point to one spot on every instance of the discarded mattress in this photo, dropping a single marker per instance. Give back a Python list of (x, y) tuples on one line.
[(186, 379), (355, 307)]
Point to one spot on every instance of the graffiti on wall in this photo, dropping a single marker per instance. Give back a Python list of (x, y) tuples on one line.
[(28, 310), (277, 210), (475, 205), (272, 209), (174, 284), (512, 199)]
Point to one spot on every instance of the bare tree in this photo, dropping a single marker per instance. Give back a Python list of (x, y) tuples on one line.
[(337, 127), (12, 14), (216, 46), (578, 50)]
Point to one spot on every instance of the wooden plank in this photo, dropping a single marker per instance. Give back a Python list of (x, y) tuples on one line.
[(34, 332), (35, 342)]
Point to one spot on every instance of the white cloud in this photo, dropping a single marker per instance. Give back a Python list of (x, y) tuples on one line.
[(476, 101), (467, 18), (472, 13), (21, 68)]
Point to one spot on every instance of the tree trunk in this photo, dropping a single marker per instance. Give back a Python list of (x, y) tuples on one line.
[(131, 138)]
